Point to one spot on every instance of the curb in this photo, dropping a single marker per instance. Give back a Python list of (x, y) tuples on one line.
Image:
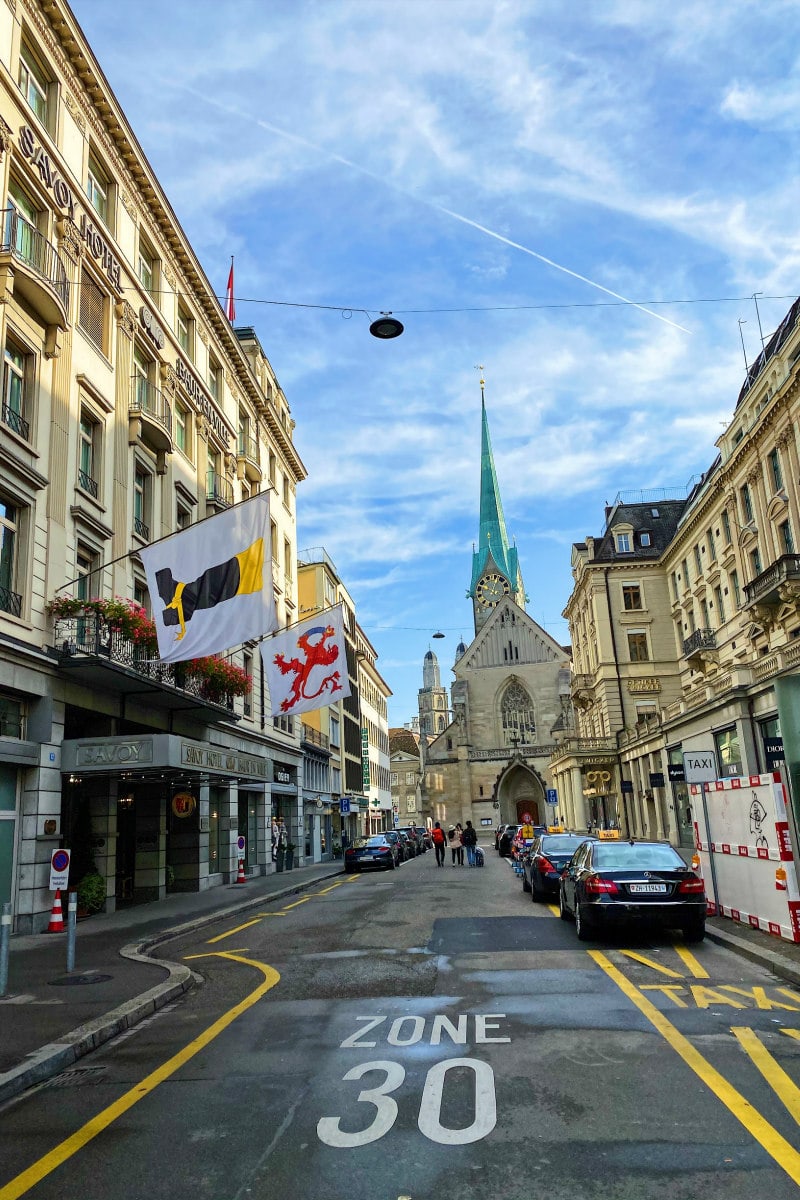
[(769, 959), (55, 1057)]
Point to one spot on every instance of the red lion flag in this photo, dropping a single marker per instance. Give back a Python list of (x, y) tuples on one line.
[(230, 303), (306, 665)]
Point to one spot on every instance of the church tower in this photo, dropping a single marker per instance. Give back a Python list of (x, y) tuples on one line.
[(495, 567), (432, 698)]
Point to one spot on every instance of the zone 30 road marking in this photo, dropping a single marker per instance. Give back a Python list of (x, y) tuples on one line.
[(59, 1154)]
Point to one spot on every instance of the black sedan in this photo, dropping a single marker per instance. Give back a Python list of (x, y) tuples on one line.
[(373, 853), (415, 836), (543, 863), (609, 883), (505, 840)]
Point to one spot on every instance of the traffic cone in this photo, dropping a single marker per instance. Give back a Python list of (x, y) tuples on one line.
[(56, 917), (240, 878)]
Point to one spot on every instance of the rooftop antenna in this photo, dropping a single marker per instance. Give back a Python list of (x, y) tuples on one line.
[(744, 352), (758, 315)]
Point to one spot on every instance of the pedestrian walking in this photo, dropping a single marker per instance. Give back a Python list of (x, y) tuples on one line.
[(439, 838), (470, 840), (456, 846)]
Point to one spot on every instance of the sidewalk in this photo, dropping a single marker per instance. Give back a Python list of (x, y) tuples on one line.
[(49, 1019)]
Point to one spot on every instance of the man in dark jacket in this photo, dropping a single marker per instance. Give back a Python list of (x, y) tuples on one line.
[(470, 839)]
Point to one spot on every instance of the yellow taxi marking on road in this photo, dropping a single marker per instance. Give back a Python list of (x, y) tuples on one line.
[(44, 1166), (759, 994), (784, 1088), (669, 989), (765, 1134), (648, 962), (554, 909), (698, 971), (295, 903), (221, 936), (352, 878)]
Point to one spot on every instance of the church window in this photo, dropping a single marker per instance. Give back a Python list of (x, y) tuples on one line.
[(516, 713), (440, 725)]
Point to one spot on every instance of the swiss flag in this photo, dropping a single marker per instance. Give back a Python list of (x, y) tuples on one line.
[(230, 303)]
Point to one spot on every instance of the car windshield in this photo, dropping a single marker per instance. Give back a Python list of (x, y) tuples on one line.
[(556, 845), (628, 857)]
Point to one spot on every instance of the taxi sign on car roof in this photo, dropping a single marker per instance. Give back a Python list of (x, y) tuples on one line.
[(608, 835), (555, 828)]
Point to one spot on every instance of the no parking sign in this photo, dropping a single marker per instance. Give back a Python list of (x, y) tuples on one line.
[(240, 845), (59, 870)]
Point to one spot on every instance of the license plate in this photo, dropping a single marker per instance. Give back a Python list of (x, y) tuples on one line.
[(648, 887)]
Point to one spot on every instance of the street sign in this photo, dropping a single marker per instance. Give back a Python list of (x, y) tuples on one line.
[(526, 818), (344, 805), (700, 766), (240, 845), (551, 796), (59, 870)]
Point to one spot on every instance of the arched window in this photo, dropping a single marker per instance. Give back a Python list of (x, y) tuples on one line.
[(440, 724), (516, 715)]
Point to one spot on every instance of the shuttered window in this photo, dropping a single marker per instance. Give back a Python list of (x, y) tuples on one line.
[(92, 310)]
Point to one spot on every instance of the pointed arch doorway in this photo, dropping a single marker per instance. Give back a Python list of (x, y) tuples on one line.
[(520, 791)]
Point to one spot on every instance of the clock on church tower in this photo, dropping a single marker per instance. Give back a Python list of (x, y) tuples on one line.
[(491, 589)]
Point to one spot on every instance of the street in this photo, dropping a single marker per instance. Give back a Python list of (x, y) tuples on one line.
[(429, 1033)]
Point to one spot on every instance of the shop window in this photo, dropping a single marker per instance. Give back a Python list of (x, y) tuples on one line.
[(35, 84), (11, 521), (729, 755), (93, 311), (18, 368)]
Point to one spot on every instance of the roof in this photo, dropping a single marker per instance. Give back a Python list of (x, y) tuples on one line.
[(658, 518), (404, 739), (493, 539), (772, 347)]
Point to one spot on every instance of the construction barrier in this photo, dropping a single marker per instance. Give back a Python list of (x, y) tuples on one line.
[(746, 859)]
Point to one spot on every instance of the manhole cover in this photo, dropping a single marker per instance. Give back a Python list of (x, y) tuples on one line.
[(77, 1075), (77, 980)]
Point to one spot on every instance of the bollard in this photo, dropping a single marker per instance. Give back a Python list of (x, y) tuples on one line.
[(72, 921), (5, 936)]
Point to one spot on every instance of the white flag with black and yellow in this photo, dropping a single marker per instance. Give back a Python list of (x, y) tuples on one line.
[(211, 585)]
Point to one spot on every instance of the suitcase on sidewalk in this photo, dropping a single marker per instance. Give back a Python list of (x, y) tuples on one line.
[(478, 856)]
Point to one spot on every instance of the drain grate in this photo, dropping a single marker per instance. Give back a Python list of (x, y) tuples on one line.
[(75, 1076), (77, 980)]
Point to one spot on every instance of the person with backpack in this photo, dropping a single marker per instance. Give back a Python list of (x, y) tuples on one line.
[(470, 839), (439, 843)]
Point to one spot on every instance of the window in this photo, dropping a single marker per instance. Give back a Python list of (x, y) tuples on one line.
[(141, 594), (11, 718), (755, 561), (273, 540), (183, 517), (17, 370), (737, 595), (631, 596), (146, 267), (143, 369), (409, 778), (698, 562), (644, 539), (287, 492), (141, 503), (623, 543), (775, 470), (98, 189), (637, 646), (215, 379), (720, 605), (34, 84), (287, 559), (787, 541), (272, 468), (517, 716), (10, 600), (93, 311), (184, 330), (675, 592), (729, 754), (88, 453), (747, 504), (182, 420), (334, 732), (726, 526), (645, 709), (712, 549), (247, 663)]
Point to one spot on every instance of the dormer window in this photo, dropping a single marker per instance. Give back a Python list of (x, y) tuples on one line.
[(623, 541), (645, 539)]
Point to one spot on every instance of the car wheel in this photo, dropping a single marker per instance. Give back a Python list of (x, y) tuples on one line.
[(563, 911), (526, 887), (536, 893), (583, 927), (695, 930)]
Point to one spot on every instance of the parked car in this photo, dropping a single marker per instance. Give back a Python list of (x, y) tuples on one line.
[(544, 861), (417, 836), (608, 883), (506, 838), (372, 853), (497, 835), (402, 842)]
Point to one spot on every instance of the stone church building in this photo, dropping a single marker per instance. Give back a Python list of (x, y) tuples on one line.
[(489, 748)]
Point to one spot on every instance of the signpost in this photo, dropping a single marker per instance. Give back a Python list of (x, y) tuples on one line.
[(59, 870), (700, 766)]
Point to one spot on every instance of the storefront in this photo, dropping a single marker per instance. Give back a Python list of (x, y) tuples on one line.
[(286, 804)]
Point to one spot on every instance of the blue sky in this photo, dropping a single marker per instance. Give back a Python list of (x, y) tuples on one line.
[(426, 157)]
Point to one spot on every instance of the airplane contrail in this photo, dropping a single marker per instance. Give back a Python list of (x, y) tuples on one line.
[(299, 140)]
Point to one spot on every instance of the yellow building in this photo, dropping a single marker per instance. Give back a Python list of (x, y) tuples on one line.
[(130, 409)]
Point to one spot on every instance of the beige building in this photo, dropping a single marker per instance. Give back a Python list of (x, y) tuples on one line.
[(720, 618), (374, 695), (130, 409), (405, 776)]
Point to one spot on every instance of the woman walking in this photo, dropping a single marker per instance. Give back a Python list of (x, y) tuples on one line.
[(454, 837), (470, 840)]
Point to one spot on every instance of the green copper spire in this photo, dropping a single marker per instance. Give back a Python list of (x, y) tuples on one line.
[(493, 538)]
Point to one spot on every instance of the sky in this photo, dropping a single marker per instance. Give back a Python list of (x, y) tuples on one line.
[(582, 198)]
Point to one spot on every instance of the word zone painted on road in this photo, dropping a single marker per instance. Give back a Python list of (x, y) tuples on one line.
[(410, 1031)]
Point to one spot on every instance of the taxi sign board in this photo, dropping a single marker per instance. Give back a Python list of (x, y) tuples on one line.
[(700, 766), (59, 870), (608, 835), (555, 828)]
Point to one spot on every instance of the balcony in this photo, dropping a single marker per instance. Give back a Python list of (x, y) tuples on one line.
[(769, 588), (248, 462), (582, 689), (700, 648), (87, 483), (10, 602), (150, 416), (40, 276), (219, 491), (103, 659), (314, 738), (585, 748), (16, 422)]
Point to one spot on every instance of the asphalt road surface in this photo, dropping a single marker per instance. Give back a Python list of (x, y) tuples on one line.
[(429, 1033)]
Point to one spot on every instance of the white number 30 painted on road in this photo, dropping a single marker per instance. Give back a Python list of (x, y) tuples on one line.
[(430, 1109)]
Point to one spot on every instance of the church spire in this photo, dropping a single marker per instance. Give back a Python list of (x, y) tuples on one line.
[(493, 546)]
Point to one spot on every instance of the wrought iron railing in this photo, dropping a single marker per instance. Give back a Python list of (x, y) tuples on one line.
[(90, 636), (87, 483), (219, 490), (147, 399), (784, 568), (10, 602), (29, 246), (142, 528), (701, 639), (17, 422), (247, 447)]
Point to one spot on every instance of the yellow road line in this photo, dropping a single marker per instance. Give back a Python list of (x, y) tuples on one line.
[(648, 962), (286, 907), (44, 1166), (793, 1033), (784, 1088), (694, 966), (768, 1137), (353, 878), (271, 914), (554, 909), (325, 891), (221, 936)]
